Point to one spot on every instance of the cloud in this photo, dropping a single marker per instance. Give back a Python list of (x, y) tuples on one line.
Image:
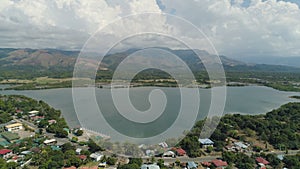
[(236, 27), (262, 28)]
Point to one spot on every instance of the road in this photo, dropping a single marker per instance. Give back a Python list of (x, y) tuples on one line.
[(186, 159)]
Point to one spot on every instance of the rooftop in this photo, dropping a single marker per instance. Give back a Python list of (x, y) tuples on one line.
[(219, 163), (13, 125), (262, 160), (206, 141), (4, 151), (150, 166), (9, 136)]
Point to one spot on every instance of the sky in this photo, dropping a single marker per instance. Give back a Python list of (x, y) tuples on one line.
[(237, 28)]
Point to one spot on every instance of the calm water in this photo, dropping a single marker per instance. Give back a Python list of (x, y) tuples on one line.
[(244, 100)]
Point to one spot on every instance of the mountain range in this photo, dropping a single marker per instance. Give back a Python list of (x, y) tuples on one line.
[(29, 63)]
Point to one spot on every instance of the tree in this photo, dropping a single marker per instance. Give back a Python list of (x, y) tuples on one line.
[(209, 149), (230, 157), (74, 139), (67, 146), (79, 133), (137, 161), (160, 163), (2, 163), (61, 133), (93, 147), (11, 165), (111, 161)]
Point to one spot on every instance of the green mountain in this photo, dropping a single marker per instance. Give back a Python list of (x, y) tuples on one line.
[(30, 63)]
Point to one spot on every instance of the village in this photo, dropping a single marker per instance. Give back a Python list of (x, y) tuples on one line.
[(18, 130), (30, 138)]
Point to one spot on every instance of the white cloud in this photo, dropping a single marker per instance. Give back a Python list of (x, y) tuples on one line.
[(261, 27)]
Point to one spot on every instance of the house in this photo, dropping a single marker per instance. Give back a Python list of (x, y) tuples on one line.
[(5, 153), (150, 166), (72, 167), (96, 156), (27, 152), (78, 151), (169, 154), (205, 164), (261, 166), (163, 145), (33, 112), (262, 161), (51, 121), (192, 165), (93, 167), (240, 145), (219, 163), (3, 142), (19, 111), (10, 137), (206, 142), (150, 152), (103, 165), (50, 142), (14, 127), (179, 151), (36, 118), (82, 157)]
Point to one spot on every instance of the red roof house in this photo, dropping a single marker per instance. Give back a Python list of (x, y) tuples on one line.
[(72, 167), (93, 167), (262, 160), (82, 157), (219, 163), (206, 164), (180, 152), (5, 151)]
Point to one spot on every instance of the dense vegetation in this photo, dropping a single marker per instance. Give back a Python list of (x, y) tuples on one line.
[(280, 128)]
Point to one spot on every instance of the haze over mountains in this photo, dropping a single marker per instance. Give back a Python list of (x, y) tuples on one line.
[(41, 61), (285, 61)]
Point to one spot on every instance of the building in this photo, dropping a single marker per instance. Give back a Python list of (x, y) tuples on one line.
[(96, 156), (78, 151), (37, 118), (10, 137), (33, 112), (240, 145), (3, 142), (163, 145), (50, 142), (102, 165), (51, 121), (14, 127), (206, 142), (93, 167), (192, 165), (150, 166), (180, 151), (72, 167), (262, 161), (219, 164), (5, 153), (82, 157), (169, 154)]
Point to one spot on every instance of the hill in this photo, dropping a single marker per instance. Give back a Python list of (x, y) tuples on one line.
[(31, 63)]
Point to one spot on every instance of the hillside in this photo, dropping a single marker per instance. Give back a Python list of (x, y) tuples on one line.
[(31, 63)]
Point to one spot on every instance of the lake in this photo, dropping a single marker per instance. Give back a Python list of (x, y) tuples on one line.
[(243, 100)]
